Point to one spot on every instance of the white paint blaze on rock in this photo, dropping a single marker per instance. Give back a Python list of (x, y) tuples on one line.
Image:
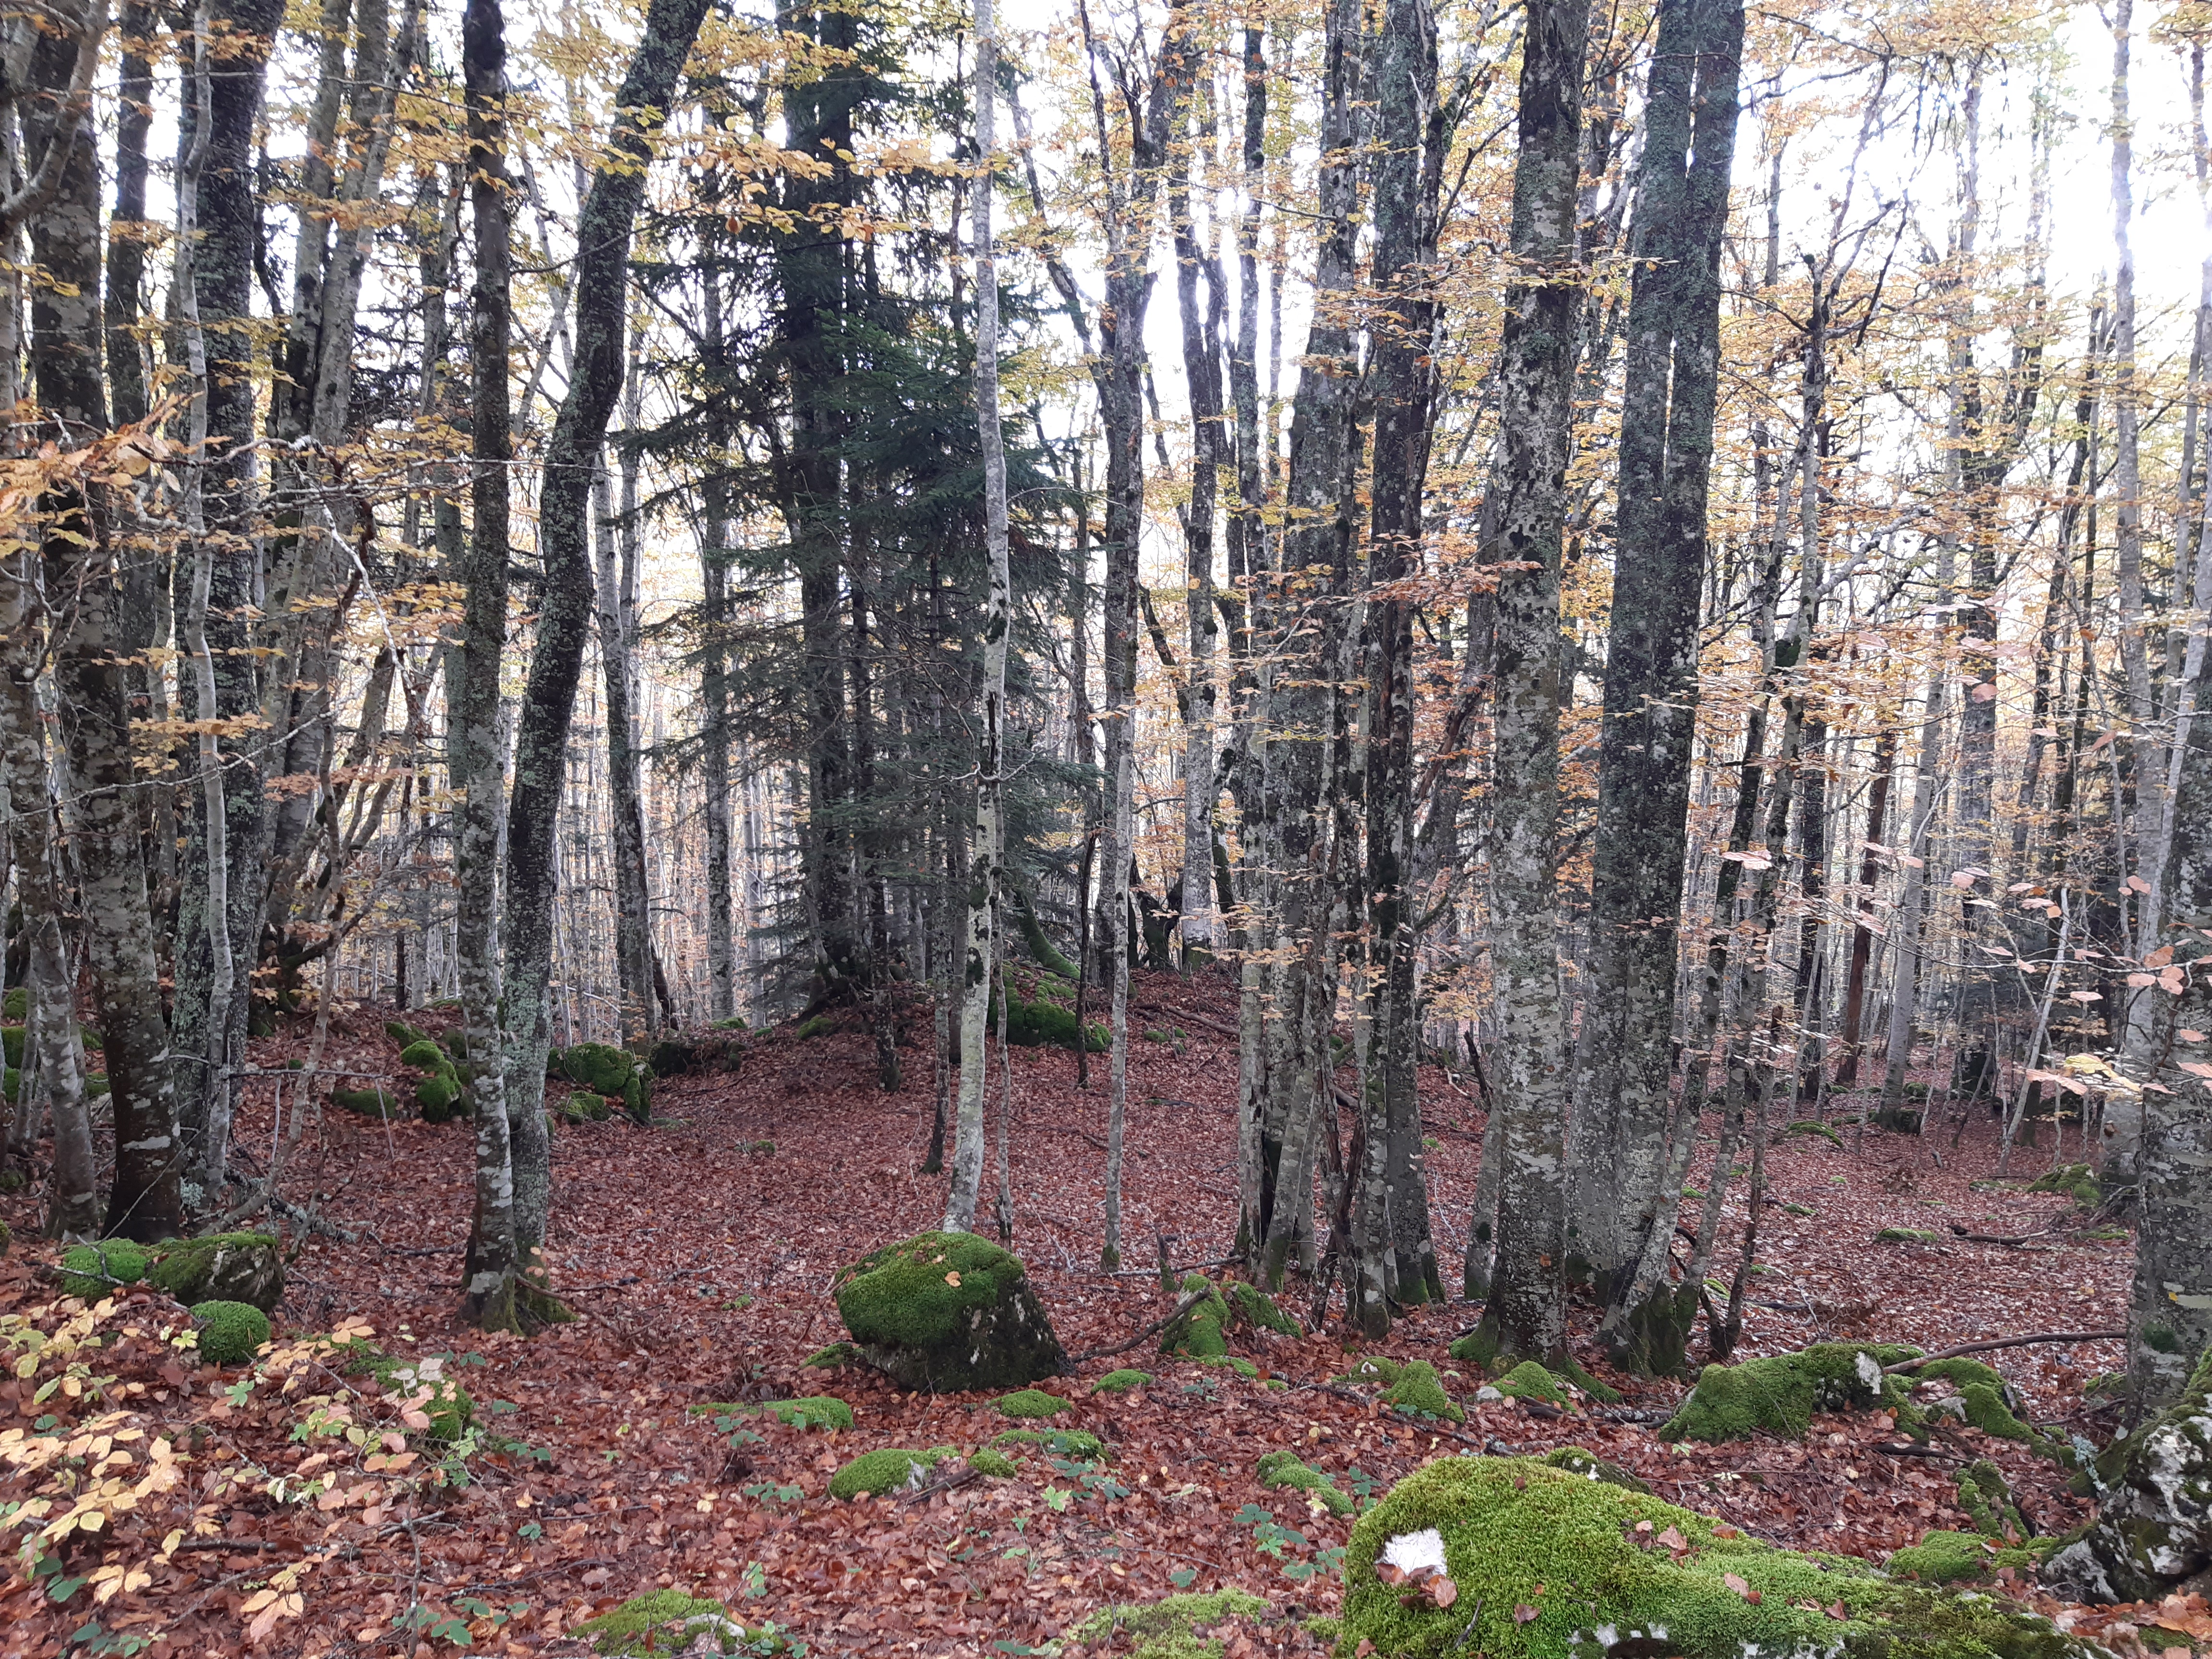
[(1869, 1372), (1414, 1552)]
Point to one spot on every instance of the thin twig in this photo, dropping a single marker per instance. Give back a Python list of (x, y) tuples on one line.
[(2004, 1342)]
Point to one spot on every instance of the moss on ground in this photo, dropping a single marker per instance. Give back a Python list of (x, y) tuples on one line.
[(230, 1332), (1988, 1501), (1956, 1557), (93, 1270), (1373, 1368), (1168, 1629), (1235, 1362), (1530, 1381), (1807, 1126), (1904, 1236), (1029, 1402), (1120, 1382), (888, 1470), (1197, 1333), (663, 1622), (828, 1358), (1548, 1565), (1077, 1445), (220, 1268), (1780, 1393), (813, 1411), (948, 1310), (994, 1464), (1283, 1469), (367, 1103), (1575, 1461), (2078, 1180), (1419, 1389)]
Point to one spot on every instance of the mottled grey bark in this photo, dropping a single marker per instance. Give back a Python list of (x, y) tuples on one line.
[(986, 876), (1202, 357), (475, 753), (600, 312), (1391, 1247), (616, 593), (1526, 1309), (1624, 1061)]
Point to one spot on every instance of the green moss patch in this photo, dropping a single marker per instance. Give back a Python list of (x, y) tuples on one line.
[(1778, 1395), (1043, 1023), (828, 1358), (421, 1385), (1904, 1236), (814, 1411), (666, 1621), (1530, 1381), (2078, 1180), (1956, 1557), (231, 1332), (1548, 1565), (1234, 1362), (1575, 1461), (1419, 1389), (220, 1268), (891, 1469), (367, 1103), (1077, 1445), (1283, 1469), (1171, 1629), (948, 1311), (1987, 1499), (1250, 1305), (1120, 1382), (1029, 1402), (93, 1270), (1807, 1126), (996, 1464), (1198, 1331)]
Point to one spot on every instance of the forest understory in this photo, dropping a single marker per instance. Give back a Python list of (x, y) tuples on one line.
[(698, 1255)]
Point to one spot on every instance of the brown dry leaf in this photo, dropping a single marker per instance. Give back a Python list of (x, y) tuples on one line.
[(1523, 1613), (1442, 1591)]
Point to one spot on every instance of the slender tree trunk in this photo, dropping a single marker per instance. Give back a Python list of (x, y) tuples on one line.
[(474, 741), (617, 558), (1201, 356), (986, 877)]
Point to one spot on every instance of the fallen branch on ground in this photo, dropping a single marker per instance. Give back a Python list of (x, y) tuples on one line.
[(2004, 1342), (1183, 1305)]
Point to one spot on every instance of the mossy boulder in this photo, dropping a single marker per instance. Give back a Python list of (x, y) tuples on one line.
[(2153, 1526), (1077, 1445), (1029, 1402), (246, 1268), (829, 1358), (1549, 1565), (996, 1464), (663, 1622), (891, 1469), (1283, 1469), (1199, 1332), (1250, 1305), (1120, 1382), (1417, 1387), (1780, 1393), (1171, 1629), (1987, 1498), (584, 1108), (93, 1270), (1530, 1381), (1904, 1236), (231, 1332), (1575, 1461), (1983, 1401), (2078, 1180), (948, 1312), (1807, 1126), (367, 1103), (439, 1095), (1044, 1023), (615, 1073)]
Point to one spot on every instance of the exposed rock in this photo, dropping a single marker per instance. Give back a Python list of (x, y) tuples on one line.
[(247, 1267), (1780, 1393), (948, 1312), (2153, 1526)]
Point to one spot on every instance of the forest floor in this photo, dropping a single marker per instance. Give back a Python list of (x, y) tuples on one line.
[(698, 1254)]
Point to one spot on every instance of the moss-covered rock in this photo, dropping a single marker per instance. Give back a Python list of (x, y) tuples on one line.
[(2078, 1180), (888, 1470), (1250, 1305), (230, 1332), (1199, 1332), (1530, 1381), (1548, 1565), (1373, 1368), (1283, 1469), (950, 1312), (813, 1411), (11, 1046), (441, 1096), (93, 1270), (220, 1268), (1029, 1402), (1806, 1125), (16, 1005), (1171, 1629), (664, 1622), (2153, 1526), (614, 1072), (1780, 1393), (1077, 1445), (1987, 1498), (1120, 1382), (828, 1358), (1904, 1236), (367, 1103), (1044, 1023), (584, 1108), (1417, 1387), (987, 1460), (1956, 1557)]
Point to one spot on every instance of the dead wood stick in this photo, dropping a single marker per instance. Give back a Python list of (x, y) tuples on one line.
[(2004, 1342), (2000, 1238), (1183, 1305)]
